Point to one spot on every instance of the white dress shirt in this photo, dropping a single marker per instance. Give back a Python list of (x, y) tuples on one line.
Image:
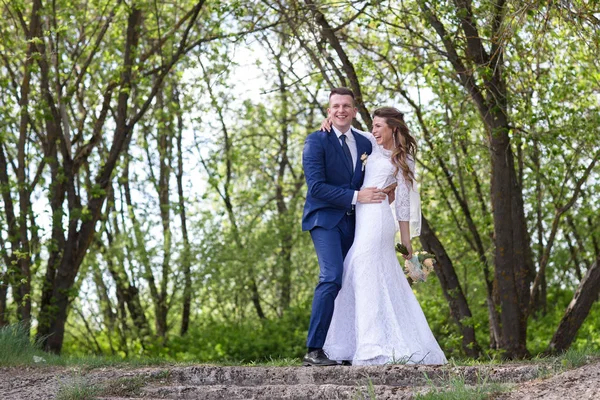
[(351, 142)]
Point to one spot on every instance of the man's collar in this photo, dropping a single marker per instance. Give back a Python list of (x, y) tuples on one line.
[(339, 133)]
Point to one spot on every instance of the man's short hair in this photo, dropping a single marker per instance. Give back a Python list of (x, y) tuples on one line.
[(342, 91)]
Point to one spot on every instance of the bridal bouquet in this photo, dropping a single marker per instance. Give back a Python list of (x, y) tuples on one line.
[(419, 266)]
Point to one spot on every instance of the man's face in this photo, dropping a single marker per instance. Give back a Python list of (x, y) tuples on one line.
[(341, 111)]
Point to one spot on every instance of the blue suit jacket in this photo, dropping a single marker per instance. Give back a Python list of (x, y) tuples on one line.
[(330, 182)]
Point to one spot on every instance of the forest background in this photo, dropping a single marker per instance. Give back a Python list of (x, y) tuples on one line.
[(152, 186)]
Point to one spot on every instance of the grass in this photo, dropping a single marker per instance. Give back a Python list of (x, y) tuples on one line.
[(405, 360), (571, 358), (457, 389), (369, 395), (77, 389), (82, 389), (93, 362), (16, 348), (275, 362)]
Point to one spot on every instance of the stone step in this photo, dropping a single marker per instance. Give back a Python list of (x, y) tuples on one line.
[(279, 392), (389, 375), (127, 398)]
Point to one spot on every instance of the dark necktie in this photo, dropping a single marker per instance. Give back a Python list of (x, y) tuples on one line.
[(347, 152)]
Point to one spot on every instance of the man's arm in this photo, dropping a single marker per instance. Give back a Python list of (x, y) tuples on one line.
[(313, 161)]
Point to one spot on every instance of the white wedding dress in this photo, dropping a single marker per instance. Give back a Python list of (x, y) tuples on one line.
[(377, 318)]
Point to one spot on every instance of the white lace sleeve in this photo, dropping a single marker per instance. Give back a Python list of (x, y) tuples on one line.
[(402, 198), (408, 201)]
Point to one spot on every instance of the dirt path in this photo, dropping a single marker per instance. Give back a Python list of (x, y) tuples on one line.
[(212, 382), (581, 384)]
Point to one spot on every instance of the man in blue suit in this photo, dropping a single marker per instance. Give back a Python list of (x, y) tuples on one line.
[(334, 174)]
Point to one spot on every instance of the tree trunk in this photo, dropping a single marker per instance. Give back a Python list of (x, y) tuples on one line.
[(11, 222), (477, 242), (509, 255), (164, 144), (585, 296), (512, 266), (459, 308), (286, 241), (3, 292), (67, 254), (186, 260), (68, 259)]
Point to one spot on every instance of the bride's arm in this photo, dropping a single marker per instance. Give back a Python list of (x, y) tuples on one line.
[(405, 238), (403, 199)]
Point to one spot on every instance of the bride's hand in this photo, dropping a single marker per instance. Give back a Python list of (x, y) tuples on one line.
[(326, 125), (408, 246)]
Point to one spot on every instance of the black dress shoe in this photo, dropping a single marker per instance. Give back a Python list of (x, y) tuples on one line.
[(317, 358), (347, 363)]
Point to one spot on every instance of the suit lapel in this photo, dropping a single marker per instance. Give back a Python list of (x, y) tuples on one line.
[(335, 142), (360, 150), (362, 147)]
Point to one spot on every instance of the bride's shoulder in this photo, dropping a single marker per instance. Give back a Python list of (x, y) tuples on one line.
[(367, 135)]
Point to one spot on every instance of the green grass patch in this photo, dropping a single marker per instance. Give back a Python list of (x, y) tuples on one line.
[(123, 387), (572, 358), (93, 362), (276, 362), (455, 388), (16, 348), (78, 389), (81, 389), (366, 392)]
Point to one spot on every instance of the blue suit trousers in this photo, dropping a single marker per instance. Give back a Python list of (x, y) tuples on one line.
[(331, 246)]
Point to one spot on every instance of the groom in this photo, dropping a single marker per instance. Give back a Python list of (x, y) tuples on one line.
[(334, 174)]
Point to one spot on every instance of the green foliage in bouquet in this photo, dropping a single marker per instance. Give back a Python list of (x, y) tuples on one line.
[(422, 255)]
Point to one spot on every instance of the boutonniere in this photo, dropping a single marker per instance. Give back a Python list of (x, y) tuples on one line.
[(363, 158)]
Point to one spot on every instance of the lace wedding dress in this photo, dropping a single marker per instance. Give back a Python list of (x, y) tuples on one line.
[(377, 318)]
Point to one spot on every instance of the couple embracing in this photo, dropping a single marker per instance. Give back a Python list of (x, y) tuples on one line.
[(364, 311)]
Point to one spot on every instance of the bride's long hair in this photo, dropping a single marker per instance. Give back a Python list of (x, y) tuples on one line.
[(404, 143)]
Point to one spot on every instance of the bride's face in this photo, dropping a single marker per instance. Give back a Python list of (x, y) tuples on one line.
[(383, 133)]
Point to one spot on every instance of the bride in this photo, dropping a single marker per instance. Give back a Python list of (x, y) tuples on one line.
[(377, 318)]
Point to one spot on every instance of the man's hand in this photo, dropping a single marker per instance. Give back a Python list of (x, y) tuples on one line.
[(370, 195)]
